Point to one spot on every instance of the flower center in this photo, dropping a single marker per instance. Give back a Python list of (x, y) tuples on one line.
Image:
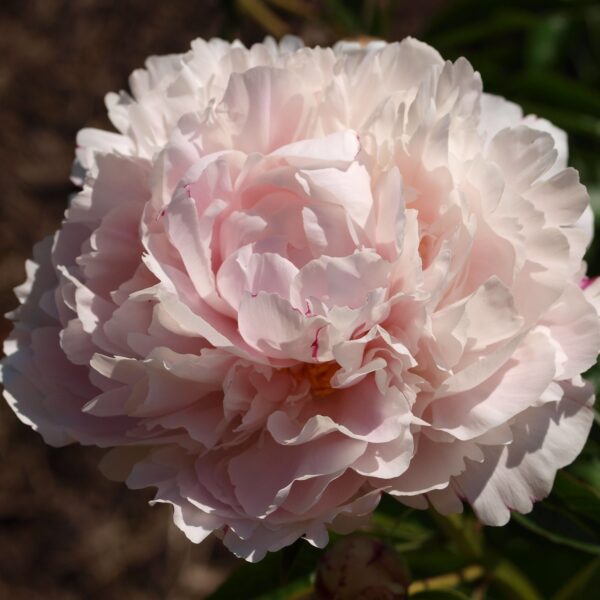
[(318, 375)]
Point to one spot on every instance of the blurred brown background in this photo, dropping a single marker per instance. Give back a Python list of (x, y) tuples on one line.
[(66, 532)]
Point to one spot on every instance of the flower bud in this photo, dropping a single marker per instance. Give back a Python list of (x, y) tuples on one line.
[(359, 567)]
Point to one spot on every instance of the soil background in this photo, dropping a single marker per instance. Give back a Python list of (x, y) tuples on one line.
[(66, 532)]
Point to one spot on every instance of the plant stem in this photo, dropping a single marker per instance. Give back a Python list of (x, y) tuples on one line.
[(448, 580)]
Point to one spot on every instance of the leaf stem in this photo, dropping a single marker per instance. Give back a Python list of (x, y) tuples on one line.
[(448, 580)]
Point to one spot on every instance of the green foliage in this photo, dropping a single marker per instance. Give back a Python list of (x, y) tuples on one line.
[(279, 576), (583, 580), (544, 55)]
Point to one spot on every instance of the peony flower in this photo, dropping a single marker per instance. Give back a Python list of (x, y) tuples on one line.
[(298, 278)]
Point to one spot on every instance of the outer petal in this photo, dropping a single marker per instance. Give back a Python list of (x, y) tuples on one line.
[(545, 439)]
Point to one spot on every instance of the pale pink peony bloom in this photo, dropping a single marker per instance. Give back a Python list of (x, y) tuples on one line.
[(298, 278)]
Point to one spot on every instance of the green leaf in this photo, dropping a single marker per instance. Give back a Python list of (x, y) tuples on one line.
[(434, 559), (389, 506), (577, 496), (545, 44), (400, 526), (463, 530), (277, 576), (513, 582), (559, 528), (502, 23), (343, 18), (403, 534), (587, 466), (578, 584), (593, 374), (377, 17), (546, 565), (559, 90)]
